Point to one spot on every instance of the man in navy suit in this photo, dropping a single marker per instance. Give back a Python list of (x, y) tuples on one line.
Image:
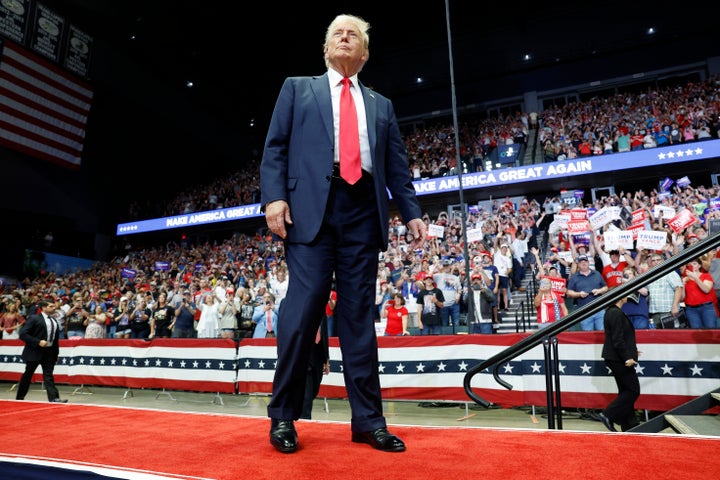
[(40, 333), (333, 226)]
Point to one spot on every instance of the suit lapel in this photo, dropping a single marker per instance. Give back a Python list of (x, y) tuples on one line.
[(371, 118), (321, 89)]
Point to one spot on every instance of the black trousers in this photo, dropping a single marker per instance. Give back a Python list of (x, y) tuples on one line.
[(622, 409), (48, 366), (314, 379)]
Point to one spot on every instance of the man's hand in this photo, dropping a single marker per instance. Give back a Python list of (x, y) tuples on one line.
[(277, 214), (419, 232)]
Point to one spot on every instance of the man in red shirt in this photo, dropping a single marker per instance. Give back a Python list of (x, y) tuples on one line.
[(613, 272)]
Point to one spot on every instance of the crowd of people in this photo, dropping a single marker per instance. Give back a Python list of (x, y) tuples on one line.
[(175, 291), (180, 290)]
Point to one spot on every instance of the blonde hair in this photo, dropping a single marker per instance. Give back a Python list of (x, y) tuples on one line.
[(360, 23)]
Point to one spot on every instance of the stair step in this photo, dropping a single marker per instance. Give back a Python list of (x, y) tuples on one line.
[(695, 424)]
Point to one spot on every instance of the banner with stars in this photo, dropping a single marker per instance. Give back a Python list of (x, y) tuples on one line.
[(675, 366), (175, 364)]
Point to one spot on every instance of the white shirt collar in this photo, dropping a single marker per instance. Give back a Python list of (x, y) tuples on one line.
[(335, 78)]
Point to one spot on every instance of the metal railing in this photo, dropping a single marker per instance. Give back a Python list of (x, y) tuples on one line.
[(544, 335)]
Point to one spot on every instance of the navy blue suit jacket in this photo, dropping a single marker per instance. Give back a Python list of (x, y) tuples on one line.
[(298, 158)]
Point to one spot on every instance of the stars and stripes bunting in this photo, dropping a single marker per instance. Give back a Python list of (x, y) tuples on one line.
[(675, 366)]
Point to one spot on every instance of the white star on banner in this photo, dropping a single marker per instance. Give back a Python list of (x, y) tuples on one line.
[(400, 368), (247, 363), (667, 369), (696, 370), (381, 368), (183, 363), (420, 367), (170, 363), (196, 364), (221, 365), (536, 367), (441, 367), (147, 362), (508, 368), (208, 364), (639, 369), (561, 367), (585, 368), (261, 364), (463, 366), (158, 363)]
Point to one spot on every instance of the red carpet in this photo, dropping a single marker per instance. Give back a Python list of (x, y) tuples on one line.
[(231, 447)]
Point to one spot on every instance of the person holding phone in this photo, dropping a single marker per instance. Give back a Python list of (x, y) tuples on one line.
[(265, 317)]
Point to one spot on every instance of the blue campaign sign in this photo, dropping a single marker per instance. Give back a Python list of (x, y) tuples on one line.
[(508, 154)]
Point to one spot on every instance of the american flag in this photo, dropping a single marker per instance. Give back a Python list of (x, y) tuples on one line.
[(43, 110), (675, 367)]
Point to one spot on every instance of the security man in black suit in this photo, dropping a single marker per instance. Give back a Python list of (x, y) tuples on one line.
[(41, 333), (621, 356)]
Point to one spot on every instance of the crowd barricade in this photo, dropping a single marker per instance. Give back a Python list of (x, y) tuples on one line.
[(675, 366)]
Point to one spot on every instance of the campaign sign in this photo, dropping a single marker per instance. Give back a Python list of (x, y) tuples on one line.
[(604, 216), (578, 226), (614, 239), (128, 273), (561, 221), (682, 220), (638, 216), (682, 182), (557, 284), (566, 255), (578, 214), (651, 239), (661, 211), (435, 231), (474, 235), (634, 229)]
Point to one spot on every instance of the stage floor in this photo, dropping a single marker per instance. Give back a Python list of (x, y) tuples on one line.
[(396, 412)]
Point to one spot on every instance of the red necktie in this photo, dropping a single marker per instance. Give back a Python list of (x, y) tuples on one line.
[(317, 336), (349, 137), (269, 324)]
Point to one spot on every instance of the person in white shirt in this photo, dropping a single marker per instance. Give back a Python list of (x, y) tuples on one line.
[(279, 285), (503, 262), (519, 247)]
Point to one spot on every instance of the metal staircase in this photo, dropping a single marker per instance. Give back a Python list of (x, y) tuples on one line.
[(700, 416)]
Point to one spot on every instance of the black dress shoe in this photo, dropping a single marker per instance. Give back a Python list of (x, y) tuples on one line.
[(380, 439), (58, 400), (283, 435), (606, 421)]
